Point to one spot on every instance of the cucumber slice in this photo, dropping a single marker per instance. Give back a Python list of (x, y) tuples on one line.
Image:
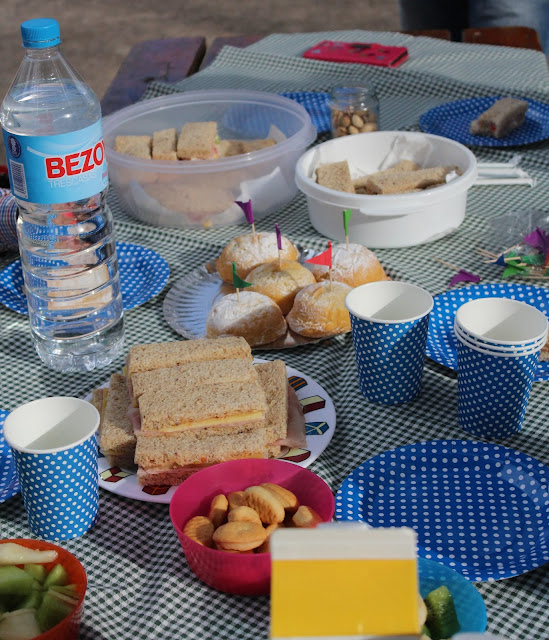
[(69, 591), (32, 601), (55, 606), (442, 619), (15, 581), (37, 571), (19, 625), (57, 576)]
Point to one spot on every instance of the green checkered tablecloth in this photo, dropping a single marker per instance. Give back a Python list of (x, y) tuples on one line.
[(140, 586)]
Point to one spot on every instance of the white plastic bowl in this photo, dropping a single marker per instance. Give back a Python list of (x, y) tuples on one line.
[(386, 221), (202, 193)]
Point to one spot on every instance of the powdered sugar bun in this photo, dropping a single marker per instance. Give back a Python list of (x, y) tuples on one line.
[(254, 317), (249, 251), (354, 266), (280, 282), (319, 310)]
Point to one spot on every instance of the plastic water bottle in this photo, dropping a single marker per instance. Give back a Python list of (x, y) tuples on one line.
[(51, 123)]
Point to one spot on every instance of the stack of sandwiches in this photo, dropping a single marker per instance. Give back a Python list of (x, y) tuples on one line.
[(189, 404), (196, 141)]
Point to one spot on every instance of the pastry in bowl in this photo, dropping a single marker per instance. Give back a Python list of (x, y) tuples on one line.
[(319, 310), (249, 251), (354, 265), (280, 281), (248, 314)]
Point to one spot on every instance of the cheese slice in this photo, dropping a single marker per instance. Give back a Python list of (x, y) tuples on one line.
[(241, 418)]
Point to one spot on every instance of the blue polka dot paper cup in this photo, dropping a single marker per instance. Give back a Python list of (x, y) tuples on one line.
[(389, 321), (54, 446), (493, 388)]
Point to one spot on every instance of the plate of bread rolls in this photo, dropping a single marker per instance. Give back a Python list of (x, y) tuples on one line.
[(285, 303)]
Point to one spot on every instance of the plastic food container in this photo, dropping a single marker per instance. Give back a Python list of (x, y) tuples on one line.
[(69, 627), (387, 221), (238, 573), (201, 193)]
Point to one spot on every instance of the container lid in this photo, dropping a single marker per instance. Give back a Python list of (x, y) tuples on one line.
[(40, 33)]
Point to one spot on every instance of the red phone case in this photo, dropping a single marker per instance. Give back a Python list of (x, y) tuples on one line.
[(361, 52)]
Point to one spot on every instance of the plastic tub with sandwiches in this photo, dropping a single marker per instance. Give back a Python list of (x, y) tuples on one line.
[(387, 221), (201, 193)]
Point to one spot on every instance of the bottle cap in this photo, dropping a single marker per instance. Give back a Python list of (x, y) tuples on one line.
[(40, 33)]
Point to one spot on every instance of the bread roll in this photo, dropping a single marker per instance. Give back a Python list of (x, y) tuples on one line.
[(280, 282), (319, 310), (354, 266), (255, 317), (251, 250)]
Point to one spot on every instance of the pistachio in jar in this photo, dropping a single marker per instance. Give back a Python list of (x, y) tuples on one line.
[(353, 110)]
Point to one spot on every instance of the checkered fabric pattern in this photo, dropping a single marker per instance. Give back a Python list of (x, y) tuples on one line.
[(139, 583), (8, 216)]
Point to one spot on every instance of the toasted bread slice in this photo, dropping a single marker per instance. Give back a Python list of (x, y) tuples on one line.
[(116, 434), (335, 175), (157, 355), (274, 380), (193, 374), (197, 141), (137, 146), (234, 403), (163, 144)]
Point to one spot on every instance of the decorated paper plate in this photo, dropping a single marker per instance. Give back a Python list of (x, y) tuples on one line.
[(188, 302), (441, 341), (452, 120), (9, 485), (143, 274), (479, 508), (320, 421)]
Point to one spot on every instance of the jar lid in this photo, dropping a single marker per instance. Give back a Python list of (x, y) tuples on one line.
[(40, 33), (353, 93)]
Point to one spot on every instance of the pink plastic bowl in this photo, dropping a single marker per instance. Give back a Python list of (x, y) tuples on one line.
[(241, 574)]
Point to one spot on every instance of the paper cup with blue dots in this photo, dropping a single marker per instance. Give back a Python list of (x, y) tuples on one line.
[(498, 345), (389, 321), (54, 446)]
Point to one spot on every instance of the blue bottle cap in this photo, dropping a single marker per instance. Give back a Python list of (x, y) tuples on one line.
[(40, 33)]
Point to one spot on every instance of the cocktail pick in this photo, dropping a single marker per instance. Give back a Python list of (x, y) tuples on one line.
[(461, 275), (346, 218), (279, 245), (238, 282), (248, 212), (324, 259)]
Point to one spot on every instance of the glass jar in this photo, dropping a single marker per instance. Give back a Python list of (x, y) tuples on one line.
[(354, 110)]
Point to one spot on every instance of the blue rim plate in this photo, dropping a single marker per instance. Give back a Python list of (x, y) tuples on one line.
[(479, 508), (8, 475), (143, 275), (441, 341), (470, 607), (452, 120)]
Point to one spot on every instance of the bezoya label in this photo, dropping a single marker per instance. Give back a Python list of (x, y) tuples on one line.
[(58, 168)]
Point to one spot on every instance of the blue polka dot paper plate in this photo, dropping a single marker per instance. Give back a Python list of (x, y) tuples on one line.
[(9, 485), (452, 120), (441, 342), (479, 508), (143, 275)]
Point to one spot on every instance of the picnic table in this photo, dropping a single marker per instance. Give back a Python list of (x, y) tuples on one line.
[(173, 59), (139, 584)]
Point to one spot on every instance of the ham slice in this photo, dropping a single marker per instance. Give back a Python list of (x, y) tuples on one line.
[(295, 436)]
